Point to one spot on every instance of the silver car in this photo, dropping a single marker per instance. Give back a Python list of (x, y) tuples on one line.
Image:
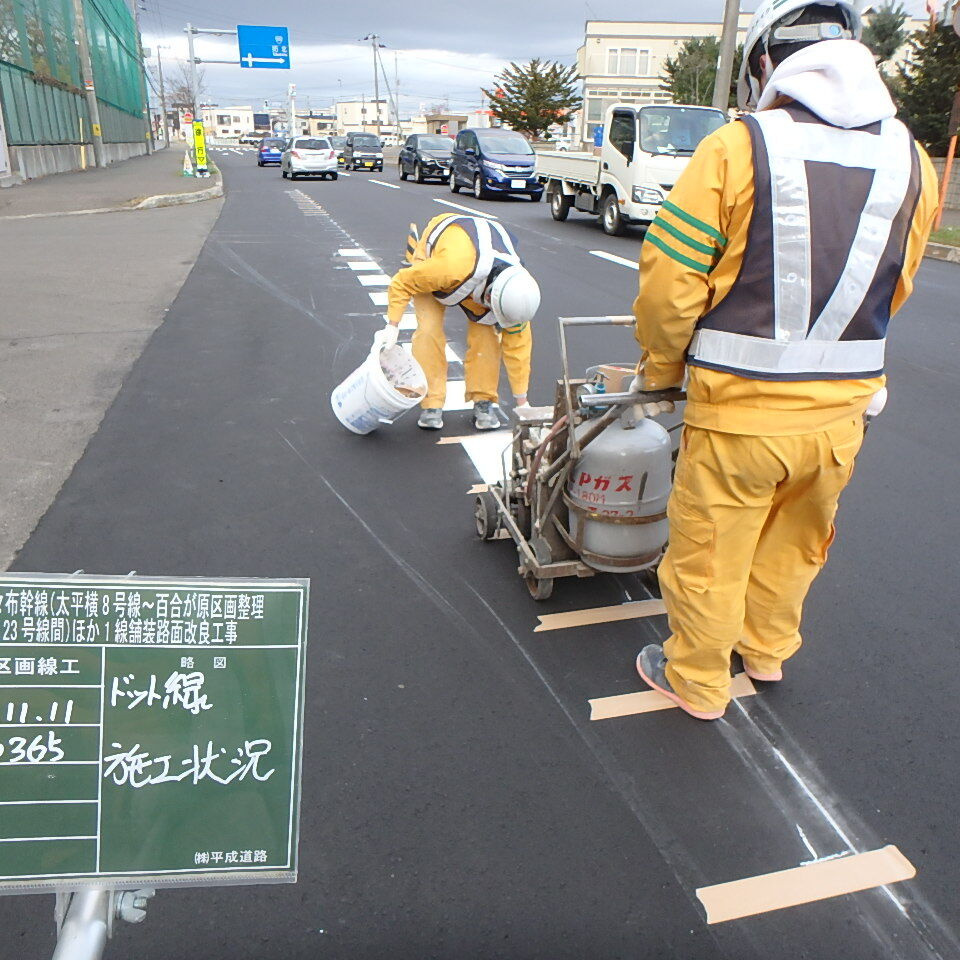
[(309, 156)]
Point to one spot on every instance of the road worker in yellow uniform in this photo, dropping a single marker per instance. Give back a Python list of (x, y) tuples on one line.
[(768, 280), (470, 262)]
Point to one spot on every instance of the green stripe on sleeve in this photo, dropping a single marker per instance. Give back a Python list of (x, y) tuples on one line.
[(675, 254), (683, 238), (694, 222)]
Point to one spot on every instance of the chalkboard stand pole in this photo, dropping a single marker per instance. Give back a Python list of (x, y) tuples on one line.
[(85, 919)]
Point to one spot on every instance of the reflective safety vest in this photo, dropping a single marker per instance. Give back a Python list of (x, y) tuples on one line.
[(496, 249), (826, 247)]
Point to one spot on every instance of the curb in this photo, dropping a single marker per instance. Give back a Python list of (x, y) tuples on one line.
[(943, 251), (149, 203)]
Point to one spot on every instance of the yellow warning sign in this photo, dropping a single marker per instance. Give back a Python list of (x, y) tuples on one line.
[(199, 145)]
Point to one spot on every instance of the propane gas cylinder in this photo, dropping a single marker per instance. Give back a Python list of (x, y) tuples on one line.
[(618, 492)]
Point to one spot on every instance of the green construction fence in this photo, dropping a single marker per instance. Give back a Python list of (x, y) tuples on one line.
[(41, 89)]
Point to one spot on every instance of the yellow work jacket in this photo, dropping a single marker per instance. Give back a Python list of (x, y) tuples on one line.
[(451, 262), (690, 258)]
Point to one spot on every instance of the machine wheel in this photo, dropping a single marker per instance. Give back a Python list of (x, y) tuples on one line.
[(540, 587), (560, 205), (486, 515), (454, 186), (403, 173), (418, 172), (612, 221)]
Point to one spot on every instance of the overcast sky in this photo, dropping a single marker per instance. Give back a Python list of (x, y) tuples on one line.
[(449, 51)]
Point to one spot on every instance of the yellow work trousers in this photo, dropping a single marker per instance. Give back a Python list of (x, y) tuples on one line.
[(751, 519), (485, 346)]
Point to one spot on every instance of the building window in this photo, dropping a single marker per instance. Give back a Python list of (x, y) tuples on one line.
[(594, 111), (612, 62), (223, 119), (628, 62)]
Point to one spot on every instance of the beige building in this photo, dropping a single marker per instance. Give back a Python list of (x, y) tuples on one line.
[(361, 115), (227, 122), (621, 61)]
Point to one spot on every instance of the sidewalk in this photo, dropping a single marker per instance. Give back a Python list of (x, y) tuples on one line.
[(81, 297), (120, 185)]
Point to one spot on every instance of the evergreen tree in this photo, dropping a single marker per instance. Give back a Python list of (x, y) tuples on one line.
[(927, 84), (532, 97), (692, 73), (884, 34)]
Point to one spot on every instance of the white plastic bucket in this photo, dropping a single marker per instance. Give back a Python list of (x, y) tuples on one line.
[(386, 385)]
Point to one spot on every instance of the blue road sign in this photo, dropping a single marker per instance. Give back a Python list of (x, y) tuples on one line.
[(265, 47)]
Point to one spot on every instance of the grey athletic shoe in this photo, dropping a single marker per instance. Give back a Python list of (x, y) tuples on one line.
[(652, 665), (431, 418), (484, 417)]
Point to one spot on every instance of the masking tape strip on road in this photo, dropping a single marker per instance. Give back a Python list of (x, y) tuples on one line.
[(806, 884), (618, 611), (478, 488), (647, 701)]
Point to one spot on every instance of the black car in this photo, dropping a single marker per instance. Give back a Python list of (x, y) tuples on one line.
[(362, 151), (425, 155)]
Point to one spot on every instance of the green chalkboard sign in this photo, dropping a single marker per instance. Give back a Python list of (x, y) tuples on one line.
[(150, 730)]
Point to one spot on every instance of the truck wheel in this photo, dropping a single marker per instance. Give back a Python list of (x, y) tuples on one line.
[(610, 215), (560, 205)]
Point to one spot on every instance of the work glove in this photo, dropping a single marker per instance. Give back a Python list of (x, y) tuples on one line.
[(656, 409), (877, 402), (386, 336)]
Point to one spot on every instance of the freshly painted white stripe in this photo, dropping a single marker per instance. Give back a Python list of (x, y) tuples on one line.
[(353, 252), (457, 206), (363, 265), (383, 183), (613, 258), (456, 396), (408, 321), (374, 280), (342, 174), (379, 298), (486, 452), (451, 354)]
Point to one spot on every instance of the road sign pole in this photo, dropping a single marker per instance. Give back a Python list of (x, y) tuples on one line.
[(86, 69), (192, 58)]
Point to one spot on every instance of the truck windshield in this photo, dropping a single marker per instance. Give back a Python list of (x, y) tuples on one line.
[(676, 130)]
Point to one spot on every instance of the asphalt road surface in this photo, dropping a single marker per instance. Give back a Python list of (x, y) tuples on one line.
[(458, 801)]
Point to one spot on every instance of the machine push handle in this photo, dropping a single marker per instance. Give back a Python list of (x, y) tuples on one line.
[(643, 396), (615, 321)]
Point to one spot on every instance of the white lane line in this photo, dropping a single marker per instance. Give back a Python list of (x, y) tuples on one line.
[(451, 358), (613, 258), (352, 252), (379, 298), (383, 183), (342, 174), (457, 206), (359, 265), (408, 321), (486, 452), (374, 280)]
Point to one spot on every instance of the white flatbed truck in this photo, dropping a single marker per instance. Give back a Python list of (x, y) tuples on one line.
[(644, 150)]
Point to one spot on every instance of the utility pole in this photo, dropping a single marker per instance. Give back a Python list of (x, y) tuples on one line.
[(163, 100), (374, 43), (86, 70), (728, 48), (144, 98), (292, 97)]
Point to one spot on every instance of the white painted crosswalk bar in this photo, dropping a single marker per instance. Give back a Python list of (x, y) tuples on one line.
[(359, 265), (379, 298), (352, 252), (374, 280)]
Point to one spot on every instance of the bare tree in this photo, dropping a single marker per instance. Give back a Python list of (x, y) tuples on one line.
[(178, 86)]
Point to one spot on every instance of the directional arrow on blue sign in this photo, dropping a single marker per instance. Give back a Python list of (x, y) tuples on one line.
[(265, 47)]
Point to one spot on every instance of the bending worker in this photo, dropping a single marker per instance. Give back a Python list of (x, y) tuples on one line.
[(471, 262), (770, 277)]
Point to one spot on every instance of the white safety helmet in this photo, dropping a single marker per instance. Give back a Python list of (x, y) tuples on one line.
[(775, 22), (514, 296)]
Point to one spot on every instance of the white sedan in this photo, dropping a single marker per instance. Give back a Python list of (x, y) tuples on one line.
[(309, 156)]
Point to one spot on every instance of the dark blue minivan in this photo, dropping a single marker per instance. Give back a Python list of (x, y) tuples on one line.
[(490, 161)]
